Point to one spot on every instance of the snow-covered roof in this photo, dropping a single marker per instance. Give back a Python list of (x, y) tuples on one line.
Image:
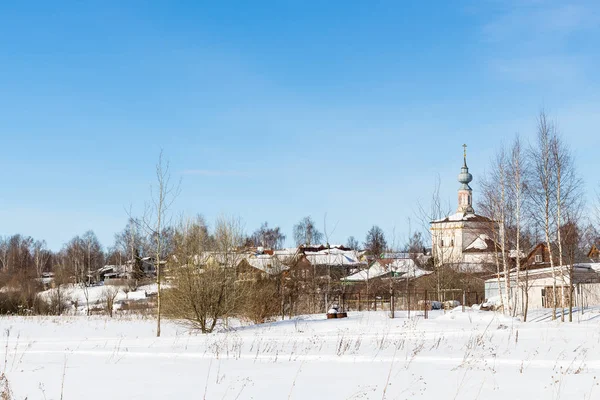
[(111, 268), (289, 252), (266, 263), (229, 258), (560, 269), (480, 243), (513, 253), (400, 267), (396, 255), (462, 216), (334, 256)]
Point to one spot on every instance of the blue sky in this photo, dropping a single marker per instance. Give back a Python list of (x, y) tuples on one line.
[(271, 111)]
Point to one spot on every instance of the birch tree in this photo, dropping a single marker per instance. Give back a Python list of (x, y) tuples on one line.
[(306, 232), (428, 213), (41, 255), (495, 207), (156, 219), (569, 205), (517, 186), (543, 193)]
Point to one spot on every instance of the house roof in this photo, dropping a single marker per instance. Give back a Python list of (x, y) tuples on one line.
[(579, 267), (463, 216), (289, 252), (594, 249), (319, 247), (537, 246), (112, 268), (228, 259), (266, 263), (335, 256), (402, 267), (482, 244)]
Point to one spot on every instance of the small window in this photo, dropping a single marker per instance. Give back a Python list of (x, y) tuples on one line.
[(442, 245), (538, 258), (452, 243)]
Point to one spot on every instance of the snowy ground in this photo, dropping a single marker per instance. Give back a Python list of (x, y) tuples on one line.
[(79, 297), (472, 355)]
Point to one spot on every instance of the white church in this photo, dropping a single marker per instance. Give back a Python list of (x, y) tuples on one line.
[(463, 240)]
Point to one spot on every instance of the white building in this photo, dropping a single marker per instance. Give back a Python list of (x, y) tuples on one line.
[(539, 284), (463, 240)]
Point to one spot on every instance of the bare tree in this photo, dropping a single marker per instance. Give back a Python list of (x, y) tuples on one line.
[(517, 187), (427, 214), (495, 206), (74, 257), (597, 206), (156, 219), (94, 256), (568, 202), (543, 193), (109, 294), (306, 233), (375, 242), (270, 238), (571, 239), (352, 243), (131, 243), (60, 295), (4, 252), (41, 256), (203, 281)]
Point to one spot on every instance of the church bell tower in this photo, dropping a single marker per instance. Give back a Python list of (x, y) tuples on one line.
[(465, 193)]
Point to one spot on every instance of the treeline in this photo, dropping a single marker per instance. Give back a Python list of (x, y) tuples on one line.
[(29, 257), (26, 263)]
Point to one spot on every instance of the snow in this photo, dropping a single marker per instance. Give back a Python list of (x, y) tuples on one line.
[(76, 294), (459, 216), (334, 257), (559, 269), (400, 266), (267, 263), (467, 355), (479, 243)]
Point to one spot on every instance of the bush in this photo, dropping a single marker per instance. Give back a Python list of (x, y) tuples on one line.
[(261, 300), (200, 297), (59, 300), (20, 296)]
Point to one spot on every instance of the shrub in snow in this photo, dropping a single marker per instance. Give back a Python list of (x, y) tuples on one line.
[(109, 293), (200, 297), (260, 300), (449, 304), (5, 392)]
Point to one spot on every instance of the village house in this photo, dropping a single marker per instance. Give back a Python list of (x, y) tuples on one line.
[(404, 272), (539, 257), (144, 267), (538, 284), (594, 253)]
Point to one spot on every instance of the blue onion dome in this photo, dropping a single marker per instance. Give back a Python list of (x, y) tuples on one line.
[(465, 177)]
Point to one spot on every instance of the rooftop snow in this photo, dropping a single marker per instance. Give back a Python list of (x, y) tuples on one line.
[(402, 267)]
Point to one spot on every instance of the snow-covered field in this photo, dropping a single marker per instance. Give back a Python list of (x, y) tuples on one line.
[(471, 355)]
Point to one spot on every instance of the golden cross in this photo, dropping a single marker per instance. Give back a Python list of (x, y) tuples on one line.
[(465, 150)]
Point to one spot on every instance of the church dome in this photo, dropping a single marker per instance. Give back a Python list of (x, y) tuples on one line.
[(465, 177)]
